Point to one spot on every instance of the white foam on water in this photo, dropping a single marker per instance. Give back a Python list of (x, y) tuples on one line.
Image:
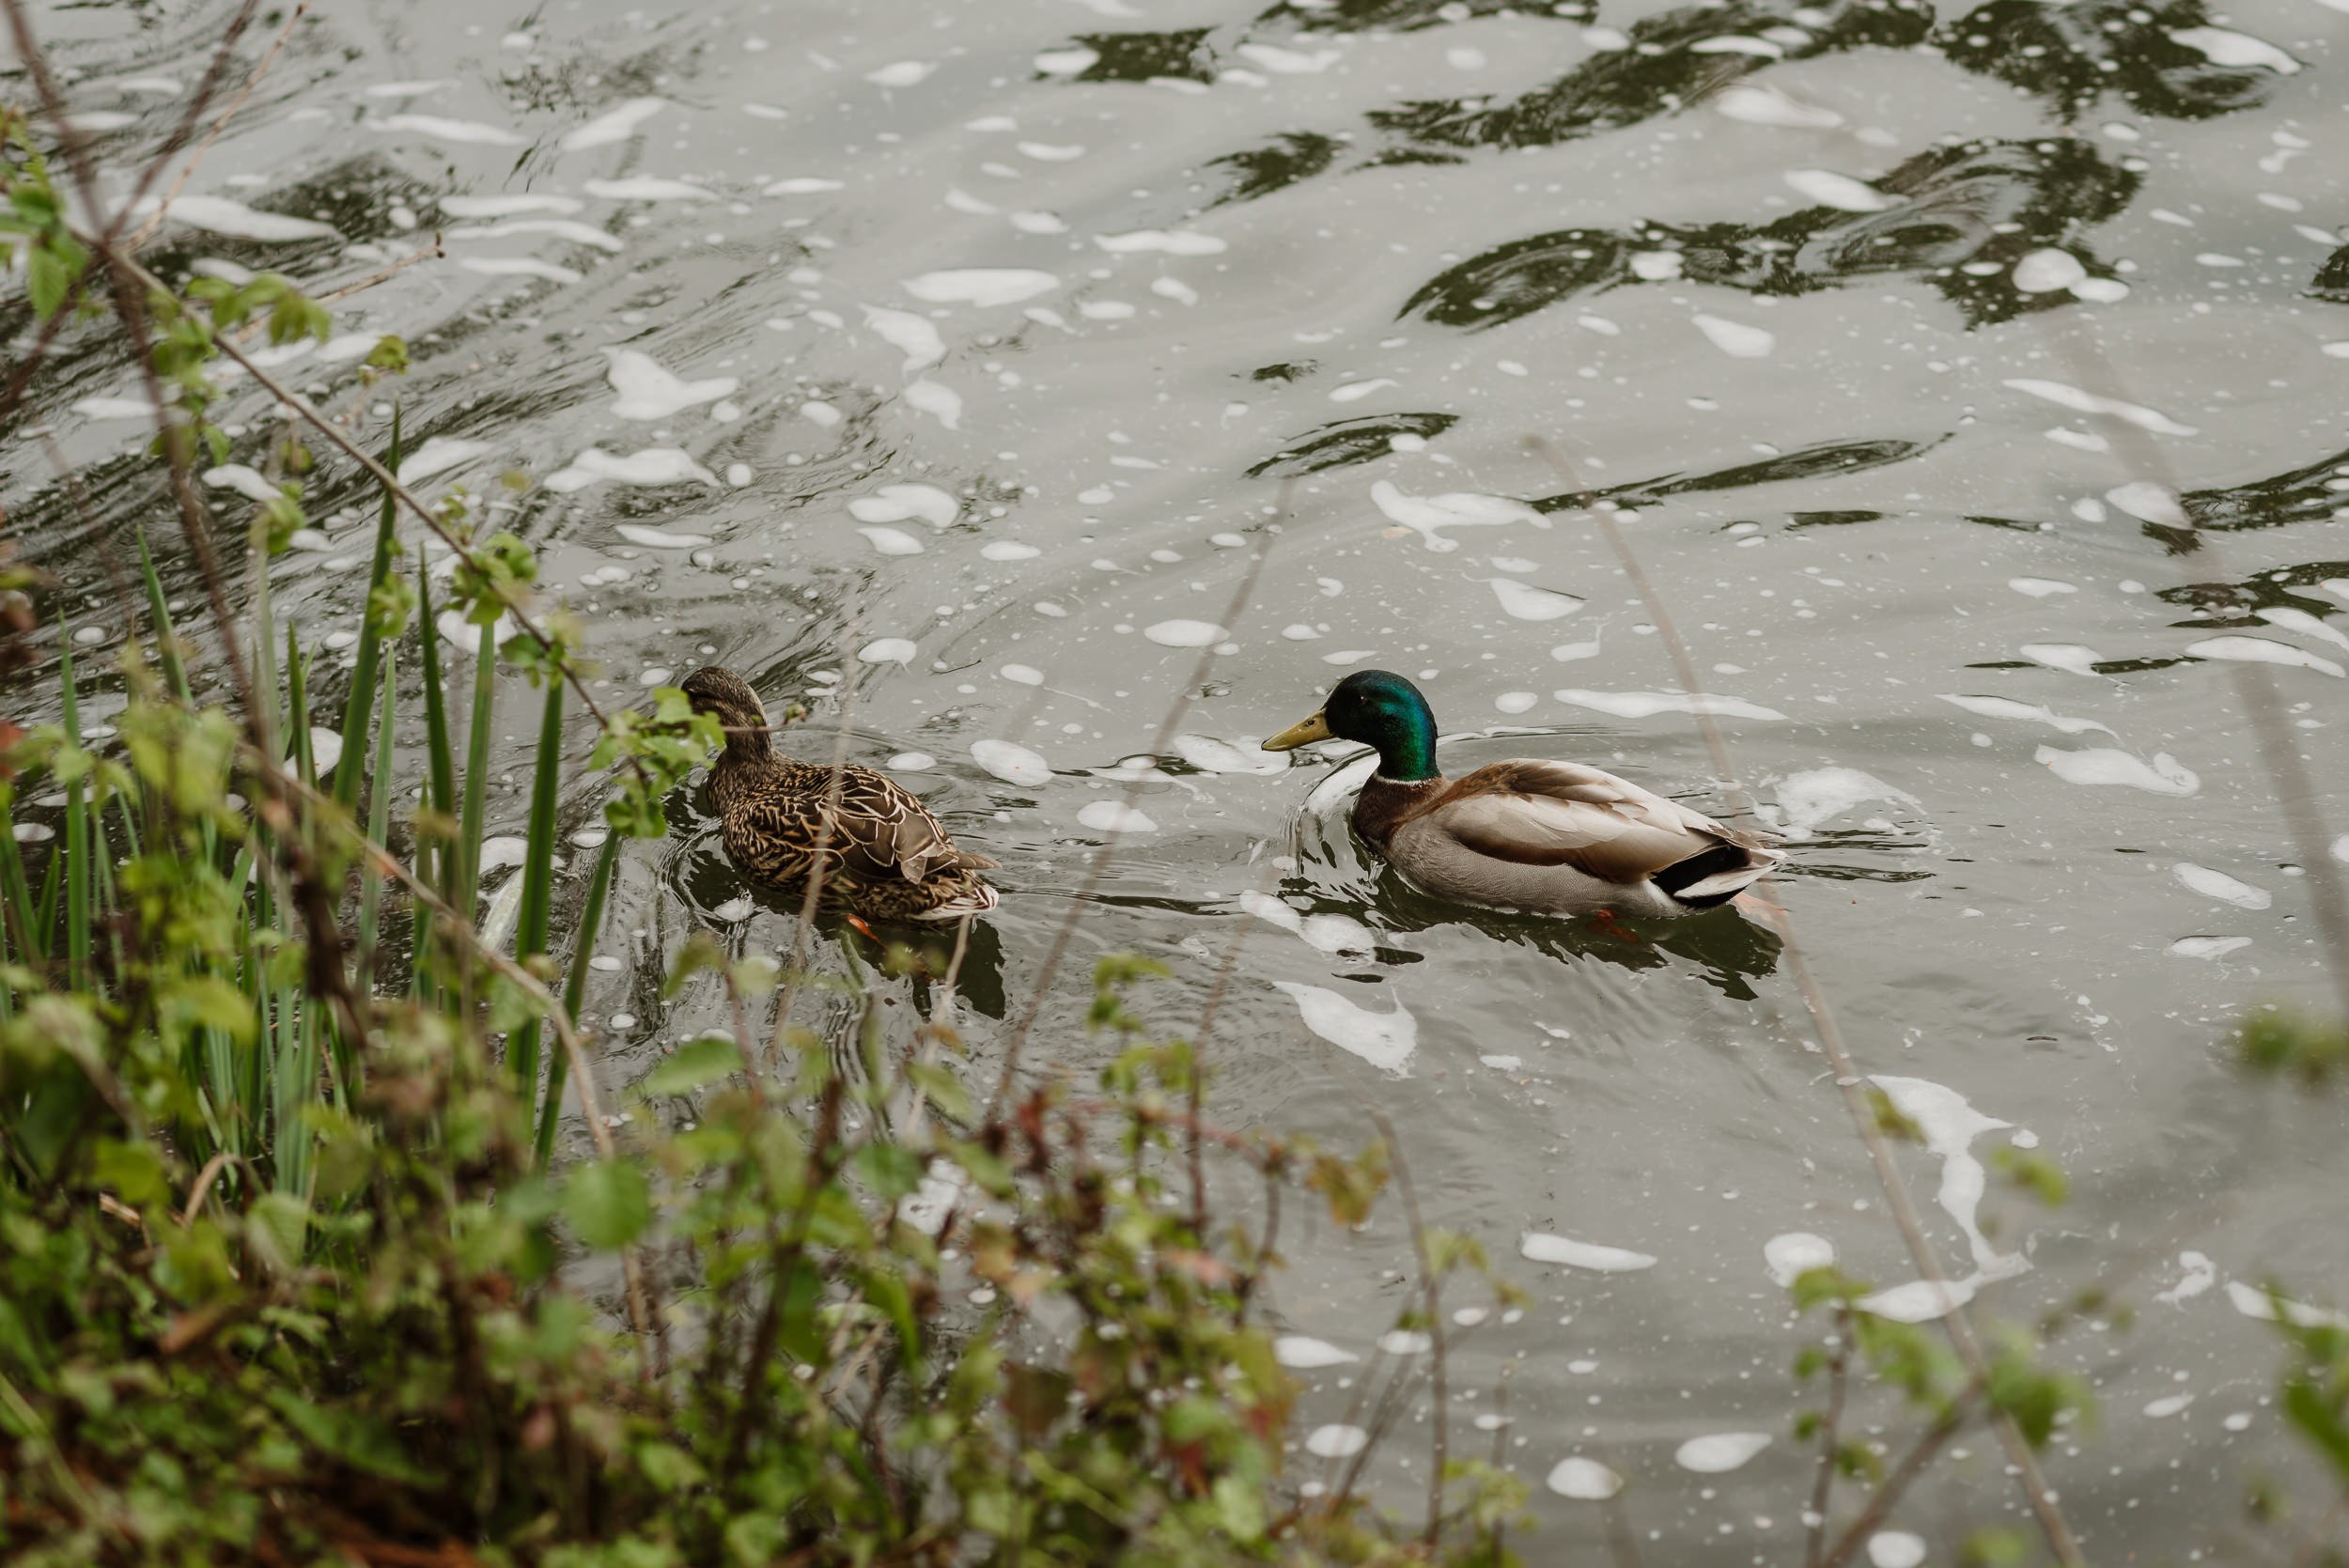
[(1736, 338), (941, 403), (1584, 1479), (1290, 62), (912, 762), (646, 187), (1304, 1353), (2102, 765), (1794, 1253), (939, 1196), (980, 285), (649, 390), (1763, 105), (1385, 1040), (653, 466), (1115, 816), (2207, 948), (456, 629), (901, 73), (1542, 1248), (914, 336), (246, 481), (1525, 602), (1050, 152), (1642, 705), (661, 539), (220, 215), (1895, 1548), (1031, 221), (2302, 622), (1022, 674), (2218, 885), (893, 541), (1180, 242), (1210, 755), (2261, 651), (1336, 1441), (2043, 271), (1920, 1300), (1838, 190), (2071, 658), (1324, 933), (2007, 708), (2065, 395), (1011, 762), (1738, 43), (2168, 1405), (113, 408), (1950, 1124), (1008, 549), (2200, 1274), (2255, 1303), (519, 267), (803, 185), (437, 128), (897, 503), (2148, 502), (1567, 653), (2228, 48), (1719, 1452), (1354, 391), (2040, 587), (1429, 515), (1406, 1342), (1517, 702), (1184, 634), (613, 125), (887, 650), (2340, 849), (345, 347), (733, 910), (1656, 266), (438, 455), (326, 749), (509, 206), (500, 851), (1066, 62)]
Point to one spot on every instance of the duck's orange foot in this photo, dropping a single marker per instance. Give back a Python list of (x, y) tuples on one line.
[(1604, 920), (858, 920)]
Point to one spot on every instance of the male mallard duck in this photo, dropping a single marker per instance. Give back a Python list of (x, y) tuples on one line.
[(1552, 837), (885, 858)]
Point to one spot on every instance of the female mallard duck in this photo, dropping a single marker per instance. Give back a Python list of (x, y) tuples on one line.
[(1551, 837), (885, 856)]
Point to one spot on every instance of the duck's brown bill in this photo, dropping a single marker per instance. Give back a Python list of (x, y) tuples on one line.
[(1302, 734)]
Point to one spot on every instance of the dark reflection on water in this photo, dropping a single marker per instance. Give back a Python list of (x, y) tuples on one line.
[(1726, 949), (1809, 462), (2332, 279), (2304, 494), (2071, 55), (1960, 217), (1350, 440)]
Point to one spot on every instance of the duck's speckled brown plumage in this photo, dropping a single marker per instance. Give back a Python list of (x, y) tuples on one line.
[(885, 857)]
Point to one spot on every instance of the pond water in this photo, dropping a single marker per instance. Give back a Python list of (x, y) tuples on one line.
[(955, 366)]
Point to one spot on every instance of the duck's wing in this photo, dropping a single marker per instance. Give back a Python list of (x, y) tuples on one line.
[(1562, 814), (885, 831)]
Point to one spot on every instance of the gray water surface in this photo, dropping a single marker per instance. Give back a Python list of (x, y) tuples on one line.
[(960, 362)]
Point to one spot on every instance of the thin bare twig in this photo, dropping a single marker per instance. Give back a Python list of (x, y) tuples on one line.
[(813, 898), (1830, 1440), (1431, 1294), (1098, 867), (1955, 1322), (252, 79)]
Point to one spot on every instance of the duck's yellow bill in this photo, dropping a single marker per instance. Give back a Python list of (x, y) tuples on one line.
[(1302, 733)]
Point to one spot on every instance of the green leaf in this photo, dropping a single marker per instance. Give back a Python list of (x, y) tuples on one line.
[(695, 1063), (134, 1170), (891, 1170), (48, 281), (607, 1204)]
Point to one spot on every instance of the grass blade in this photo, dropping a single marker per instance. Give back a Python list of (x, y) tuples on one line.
[(530, 929), (167, 636), (575, 989), (485, 688), (439, 785), (358, 709), (76, 854)]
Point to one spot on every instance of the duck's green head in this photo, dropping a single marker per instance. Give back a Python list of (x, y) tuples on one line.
[(1379, 708)]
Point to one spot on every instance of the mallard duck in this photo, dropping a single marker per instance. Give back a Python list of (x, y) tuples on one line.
[(1551, 837), (886, 857)]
